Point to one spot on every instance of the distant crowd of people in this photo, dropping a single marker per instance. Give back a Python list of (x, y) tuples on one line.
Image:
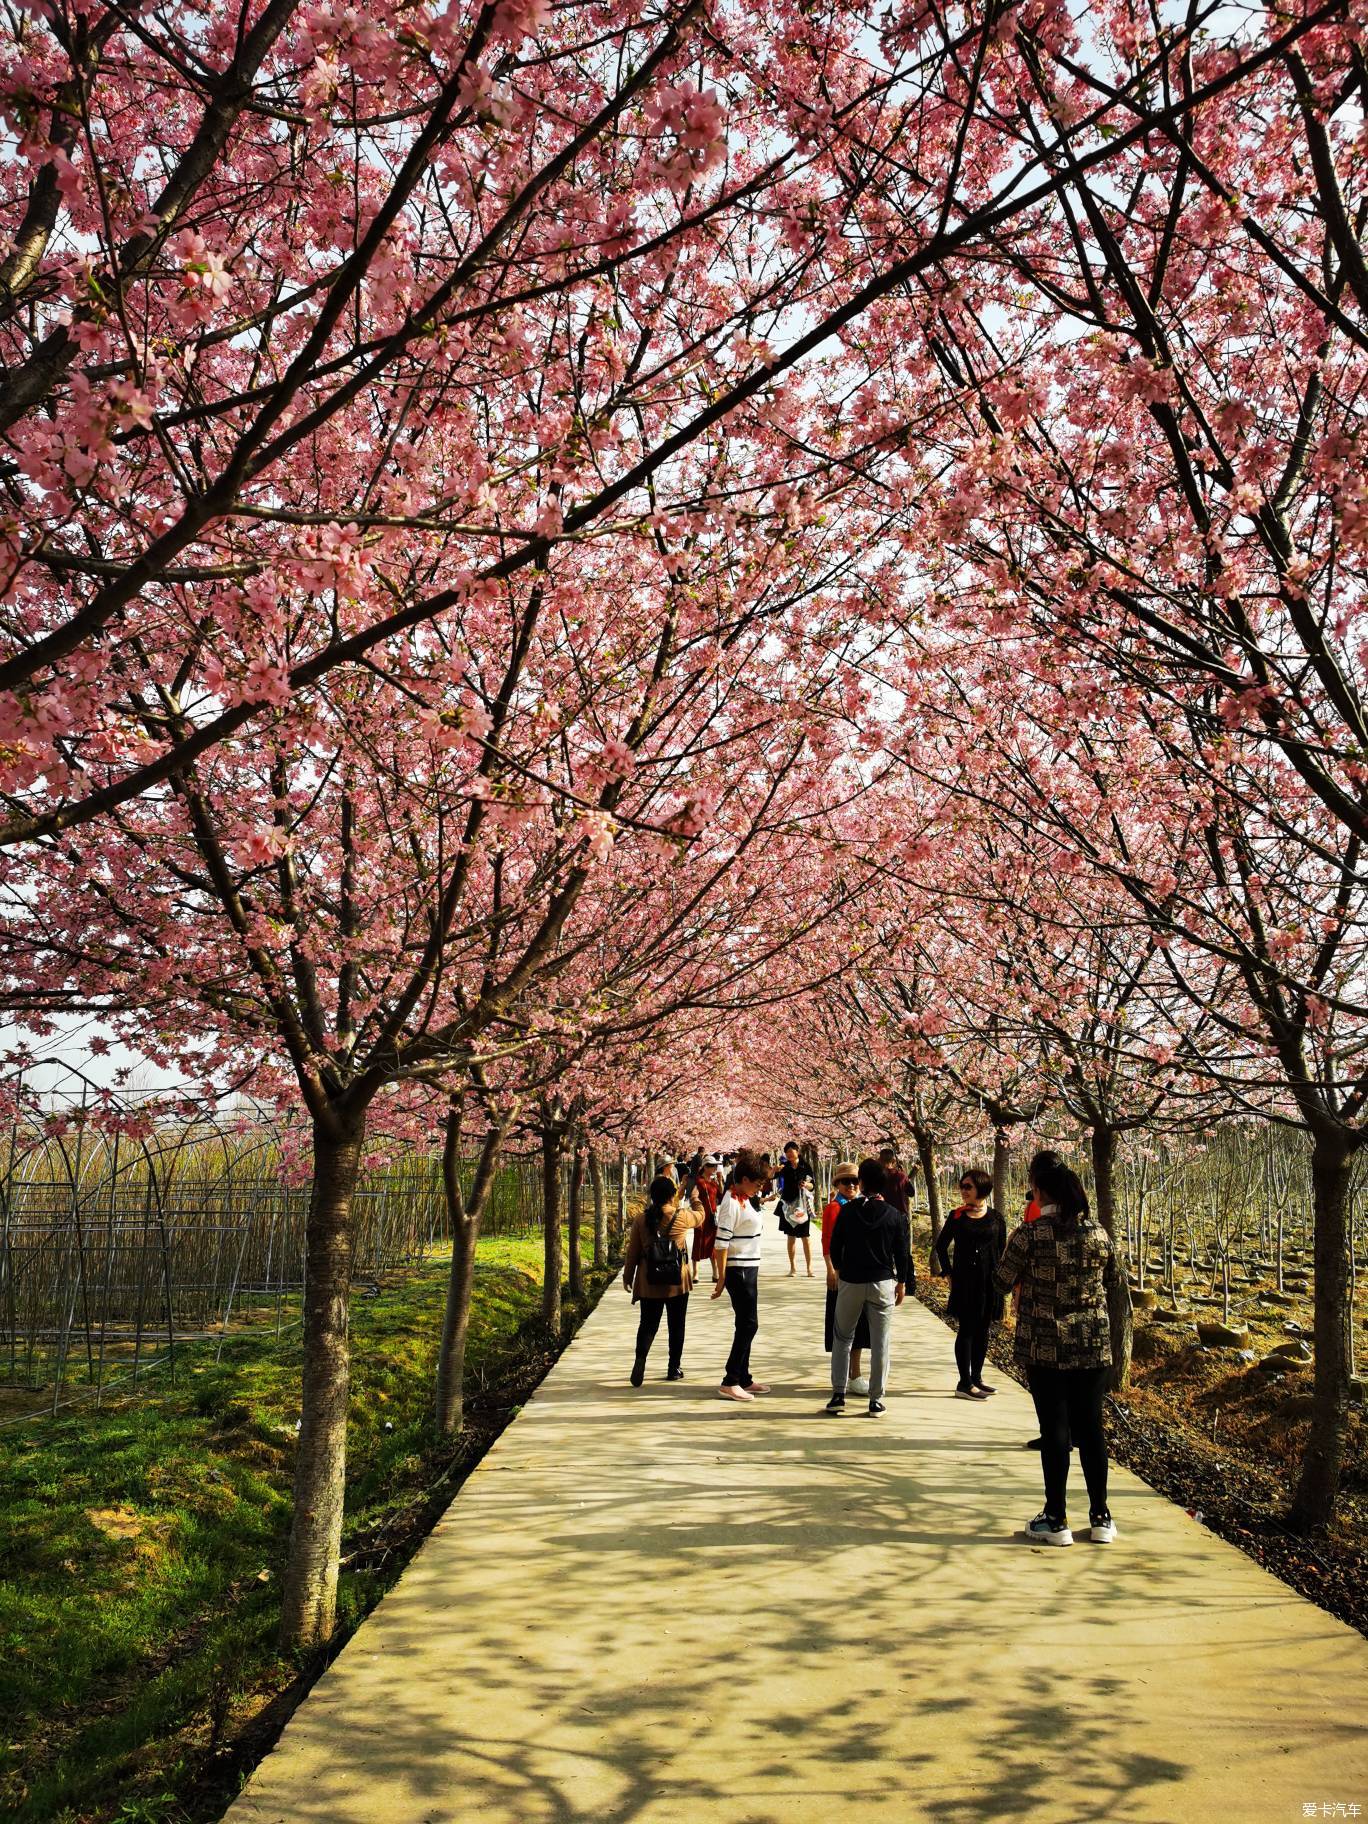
[(1058, 1265)]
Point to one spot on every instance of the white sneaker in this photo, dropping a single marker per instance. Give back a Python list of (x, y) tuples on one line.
[(1103, 1528), (859, 1385), (735, 1393), (1045, 1531)]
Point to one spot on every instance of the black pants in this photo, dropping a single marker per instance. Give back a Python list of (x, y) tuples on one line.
[(1068, 1403), (743, 1289), (971, 1349), (676, 1312)]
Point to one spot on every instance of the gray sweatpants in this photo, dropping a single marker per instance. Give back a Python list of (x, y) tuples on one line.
[(874, 1296)]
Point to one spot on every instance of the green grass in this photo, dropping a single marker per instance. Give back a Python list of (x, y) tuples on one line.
[(141, 1546)]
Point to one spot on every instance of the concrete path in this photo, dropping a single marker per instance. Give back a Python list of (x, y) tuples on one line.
[(655, 1607)]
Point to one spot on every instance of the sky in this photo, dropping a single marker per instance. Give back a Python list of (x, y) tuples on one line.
[(66, 1060)]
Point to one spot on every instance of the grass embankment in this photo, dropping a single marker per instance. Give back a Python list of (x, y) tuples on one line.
[(141, 1546)]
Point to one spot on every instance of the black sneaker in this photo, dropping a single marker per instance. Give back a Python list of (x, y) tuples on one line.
[(1049, 1529), (877, 1409), (638, 1371), (982, 1390), (675, 1374), (964, 1391), (835, 1407)]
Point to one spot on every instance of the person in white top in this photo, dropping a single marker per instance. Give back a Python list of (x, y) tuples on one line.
[(737, 1254)]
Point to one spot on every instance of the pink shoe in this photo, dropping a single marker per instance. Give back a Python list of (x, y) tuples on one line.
[(757, 1387), (734, 1393)]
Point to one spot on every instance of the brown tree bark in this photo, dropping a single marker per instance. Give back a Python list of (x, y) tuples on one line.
[(308, 1610), (575, 1263), (1119, 1308), (621, 1201), (466, 1214), (926, 1158), (600, 1210), (1313, 1504), (1002, 1154), (551, 1227)]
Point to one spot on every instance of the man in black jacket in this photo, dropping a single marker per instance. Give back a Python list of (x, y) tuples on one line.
[(870, 1252)]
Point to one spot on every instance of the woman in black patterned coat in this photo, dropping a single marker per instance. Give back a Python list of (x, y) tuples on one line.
[(1065, 1266)]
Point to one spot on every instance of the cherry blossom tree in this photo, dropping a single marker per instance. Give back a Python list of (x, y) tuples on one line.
[(321, 328)]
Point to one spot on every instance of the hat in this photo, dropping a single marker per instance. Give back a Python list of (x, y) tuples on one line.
[(713, 1159), (846, 1169)]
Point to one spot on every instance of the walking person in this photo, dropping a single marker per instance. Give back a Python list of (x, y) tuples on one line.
[(870, 1253), (1065, 1265), (844, 1185), (897, 1189), (794, 1183), (737, 1254), (707, 1194), (969, 1248), (657, 1272), (897, 1184)]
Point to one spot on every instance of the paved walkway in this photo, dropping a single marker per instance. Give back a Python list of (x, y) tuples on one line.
[(650, 1606)]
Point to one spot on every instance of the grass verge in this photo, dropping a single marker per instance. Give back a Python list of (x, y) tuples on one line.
[(141, 1545)]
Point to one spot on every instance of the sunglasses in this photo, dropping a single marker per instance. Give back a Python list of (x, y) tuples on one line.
[(846, 1181), (967, 1184)]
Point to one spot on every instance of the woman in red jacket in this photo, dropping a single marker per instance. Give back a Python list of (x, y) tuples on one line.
[(703, 1200)]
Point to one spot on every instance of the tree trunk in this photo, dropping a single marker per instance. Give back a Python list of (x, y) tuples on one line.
[(466, 1216), (1002, 1153), (1351, 1363), (926, 1157), (551, 1229), (308, 1610), (575, 1284), (600, 1211), (1119, 1309), (621, 1199), (1313, 1505)]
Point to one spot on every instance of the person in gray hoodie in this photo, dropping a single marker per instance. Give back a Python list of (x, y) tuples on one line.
[(870, 1252)]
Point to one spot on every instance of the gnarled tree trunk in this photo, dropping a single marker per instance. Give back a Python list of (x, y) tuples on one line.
[(575, 1264), (1002, 1153), (1119, 1308), (1318, 1485), (621, 1200), (600, 1210), (926, 1158), (309, 1595), (466, 1214), (551, 1228)]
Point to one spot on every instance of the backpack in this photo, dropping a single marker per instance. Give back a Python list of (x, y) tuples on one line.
[(663, 1258)]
